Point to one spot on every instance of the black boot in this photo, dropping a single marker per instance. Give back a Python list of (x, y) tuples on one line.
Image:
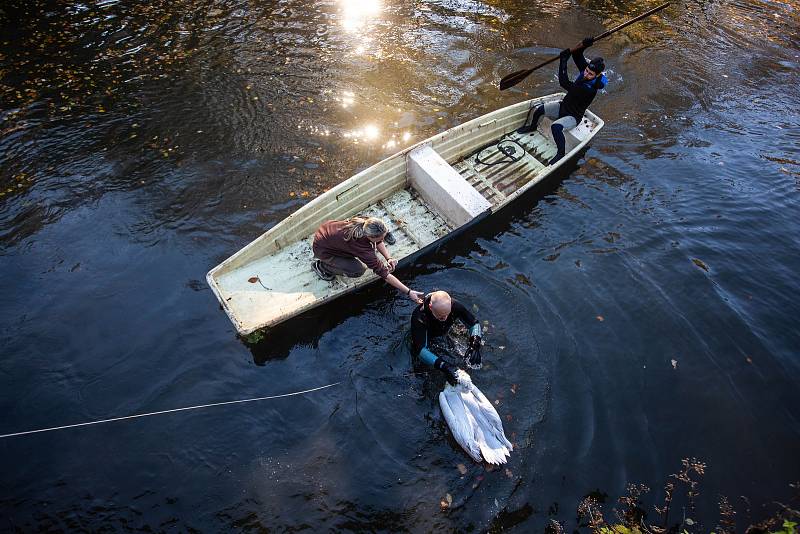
[(534, 121), (448, 370), (558, 136)]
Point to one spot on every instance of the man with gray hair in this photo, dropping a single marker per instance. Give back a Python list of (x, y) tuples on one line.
[(432, 320)]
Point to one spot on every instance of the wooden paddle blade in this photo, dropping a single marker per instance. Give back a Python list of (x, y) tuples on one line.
[(514, 78)]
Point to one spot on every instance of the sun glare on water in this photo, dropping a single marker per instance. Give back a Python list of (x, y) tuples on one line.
[(356, 13)]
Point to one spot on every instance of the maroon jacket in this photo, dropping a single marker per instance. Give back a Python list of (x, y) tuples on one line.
[(329, 241)]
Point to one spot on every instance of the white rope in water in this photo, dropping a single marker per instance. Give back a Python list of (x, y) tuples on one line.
[(166, 411)]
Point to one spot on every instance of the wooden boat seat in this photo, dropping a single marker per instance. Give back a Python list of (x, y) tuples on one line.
[(441, 186)]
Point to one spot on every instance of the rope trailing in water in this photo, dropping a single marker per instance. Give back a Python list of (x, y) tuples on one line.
[(2, 436)]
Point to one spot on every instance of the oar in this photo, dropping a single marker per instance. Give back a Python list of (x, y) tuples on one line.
[(514, 78)]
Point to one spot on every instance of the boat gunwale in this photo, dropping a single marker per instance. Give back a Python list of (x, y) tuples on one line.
[(361, 176)]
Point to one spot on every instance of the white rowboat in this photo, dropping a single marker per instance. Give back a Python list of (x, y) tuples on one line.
[(425, 194)]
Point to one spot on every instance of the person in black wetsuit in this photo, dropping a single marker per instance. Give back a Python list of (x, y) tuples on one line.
[(432, 319), (569, 112)]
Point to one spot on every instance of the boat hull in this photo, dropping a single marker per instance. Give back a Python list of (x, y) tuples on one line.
[(426, 193)]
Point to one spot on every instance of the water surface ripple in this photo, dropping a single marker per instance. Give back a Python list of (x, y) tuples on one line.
[(641, 309)]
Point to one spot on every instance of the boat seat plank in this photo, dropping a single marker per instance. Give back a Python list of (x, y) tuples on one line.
[(443, 187)]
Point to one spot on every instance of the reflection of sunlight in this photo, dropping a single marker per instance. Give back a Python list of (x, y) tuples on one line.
[(371, 132), (356, 13), (347, 98), (406, 136)]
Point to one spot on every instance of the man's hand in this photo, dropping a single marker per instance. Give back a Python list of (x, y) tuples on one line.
[(472, 356), (416, 296), (392, 264), (450, 371), (565, 53), (587, 42)]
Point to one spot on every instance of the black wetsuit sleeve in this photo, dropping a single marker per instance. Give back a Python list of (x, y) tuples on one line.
[(579, 60), (461, 313), (419, 331), (563, 77)]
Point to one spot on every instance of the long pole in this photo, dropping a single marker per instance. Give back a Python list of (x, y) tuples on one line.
[(514, 78)]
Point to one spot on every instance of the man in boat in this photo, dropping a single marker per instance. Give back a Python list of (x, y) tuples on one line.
[(569, 112), (430, 323), (348, 247)]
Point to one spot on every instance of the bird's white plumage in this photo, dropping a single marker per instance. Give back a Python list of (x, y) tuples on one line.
[(474, 422)]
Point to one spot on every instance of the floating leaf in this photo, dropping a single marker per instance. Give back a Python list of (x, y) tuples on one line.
[(514, 389), (253, 279), (462, 469), (674, 364), (700, 264), (600, 318), (449, 499)]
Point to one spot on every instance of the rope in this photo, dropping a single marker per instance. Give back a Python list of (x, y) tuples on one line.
[(507, 151), (2, 436)]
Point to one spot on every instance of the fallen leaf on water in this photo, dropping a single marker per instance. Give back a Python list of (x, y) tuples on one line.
[(600, 318), (253, 279), (508, 473), (674, 364), (501, 347), (462, 469), (700, 264), (748, 359), (443, 504), (514, 389)]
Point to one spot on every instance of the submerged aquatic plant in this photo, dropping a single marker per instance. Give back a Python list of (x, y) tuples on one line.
[(631, 516)]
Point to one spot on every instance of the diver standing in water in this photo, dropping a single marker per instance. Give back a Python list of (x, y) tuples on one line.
[(569, 112), (432, 320)]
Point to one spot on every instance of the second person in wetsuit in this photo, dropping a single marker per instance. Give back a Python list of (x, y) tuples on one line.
[(569, 112)]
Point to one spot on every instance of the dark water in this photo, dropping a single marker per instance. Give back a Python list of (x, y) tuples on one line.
[(144, 142)]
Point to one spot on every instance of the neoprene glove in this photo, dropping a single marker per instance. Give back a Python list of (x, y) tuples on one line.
[(473, 354), (565, 53), (587, 42), (448, 370)]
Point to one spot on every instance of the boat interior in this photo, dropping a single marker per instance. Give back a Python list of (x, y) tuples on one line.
[(422, 194)]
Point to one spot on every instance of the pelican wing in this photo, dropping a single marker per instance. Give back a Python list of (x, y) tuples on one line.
[(459, 422), (474, 422)]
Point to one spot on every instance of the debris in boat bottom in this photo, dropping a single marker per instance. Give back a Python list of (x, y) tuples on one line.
[(254, 279)]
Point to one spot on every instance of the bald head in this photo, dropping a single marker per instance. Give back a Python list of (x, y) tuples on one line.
[(441, 305)]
